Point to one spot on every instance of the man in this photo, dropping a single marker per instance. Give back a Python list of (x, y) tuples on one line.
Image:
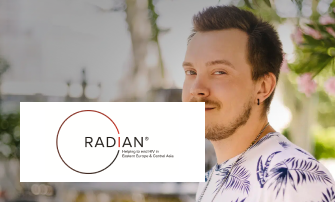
[(232, 64)]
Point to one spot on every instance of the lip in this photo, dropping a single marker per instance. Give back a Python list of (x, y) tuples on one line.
[(208, 109)]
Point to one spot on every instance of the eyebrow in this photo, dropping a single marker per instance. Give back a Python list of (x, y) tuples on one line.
[(211, 63)]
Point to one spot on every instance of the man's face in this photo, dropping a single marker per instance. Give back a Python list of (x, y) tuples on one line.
[(218, 73)]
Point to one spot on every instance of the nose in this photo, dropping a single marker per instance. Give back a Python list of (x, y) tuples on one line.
[(199, 89)]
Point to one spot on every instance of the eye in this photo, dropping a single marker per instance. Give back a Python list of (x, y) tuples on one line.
[(219, 72), (190, 72)]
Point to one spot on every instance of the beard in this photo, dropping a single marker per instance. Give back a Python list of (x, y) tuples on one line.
[(223, 131)]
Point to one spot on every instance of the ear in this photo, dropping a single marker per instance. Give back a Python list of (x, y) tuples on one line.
[(266, 87)]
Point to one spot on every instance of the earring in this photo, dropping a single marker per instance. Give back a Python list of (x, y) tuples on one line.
[(258, 101)]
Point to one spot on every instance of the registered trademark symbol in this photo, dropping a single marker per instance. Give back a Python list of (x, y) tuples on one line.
[(146, 138)]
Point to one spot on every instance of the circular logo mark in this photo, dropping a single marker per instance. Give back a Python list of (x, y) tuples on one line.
[(87, 142)]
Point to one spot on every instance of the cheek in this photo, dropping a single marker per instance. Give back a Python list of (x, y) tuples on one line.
[(229, 94), (232, 94), (223, 90), (186, 92)]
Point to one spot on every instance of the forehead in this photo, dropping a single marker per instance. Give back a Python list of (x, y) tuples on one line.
[(228, 44)]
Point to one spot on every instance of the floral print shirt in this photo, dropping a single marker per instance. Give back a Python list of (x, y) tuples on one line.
[(272, 170)]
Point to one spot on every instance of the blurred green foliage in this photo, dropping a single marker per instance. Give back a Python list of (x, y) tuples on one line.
[(286, 133), (326, 109), (10, 135), (262, 9), (324, 143), (9, 126), (314, 54)]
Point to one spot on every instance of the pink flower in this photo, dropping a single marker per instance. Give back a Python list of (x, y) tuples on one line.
[(330, 31), (312, 32), (306, 84), (284, 66), (297, 36), (326, 20), (330, 86)]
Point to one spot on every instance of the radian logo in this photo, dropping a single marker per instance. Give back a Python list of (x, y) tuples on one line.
[(110, 142), (88, 142)]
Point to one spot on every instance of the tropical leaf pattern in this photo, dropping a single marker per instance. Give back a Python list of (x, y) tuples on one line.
[(283, 168), (309, 156), (284, 144), (296, 172), (328, 196), (238, 200), (262, 171), (237, 179)]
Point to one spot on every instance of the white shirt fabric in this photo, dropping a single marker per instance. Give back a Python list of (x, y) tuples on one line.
[(272, 170)]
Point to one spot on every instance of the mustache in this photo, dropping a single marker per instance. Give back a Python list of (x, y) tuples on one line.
[(207, 101)]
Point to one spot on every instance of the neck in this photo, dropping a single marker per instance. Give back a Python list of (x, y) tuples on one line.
[(241, 139)]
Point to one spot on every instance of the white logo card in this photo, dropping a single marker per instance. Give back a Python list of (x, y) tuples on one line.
[(112, 141)]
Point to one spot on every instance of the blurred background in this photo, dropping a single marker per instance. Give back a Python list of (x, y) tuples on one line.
[(132, 50)]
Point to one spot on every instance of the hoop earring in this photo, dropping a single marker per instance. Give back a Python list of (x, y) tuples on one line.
[(258, 101)]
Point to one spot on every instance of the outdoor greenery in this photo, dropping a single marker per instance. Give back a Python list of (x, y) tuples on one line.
[(324, 143), (9, 126), (10, 135), (313, 71), (314, 59), (315, 51)]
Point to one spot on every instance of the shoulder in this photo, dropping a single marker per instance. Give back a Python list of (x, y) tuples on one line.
[(288, 172), (276, 147)]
